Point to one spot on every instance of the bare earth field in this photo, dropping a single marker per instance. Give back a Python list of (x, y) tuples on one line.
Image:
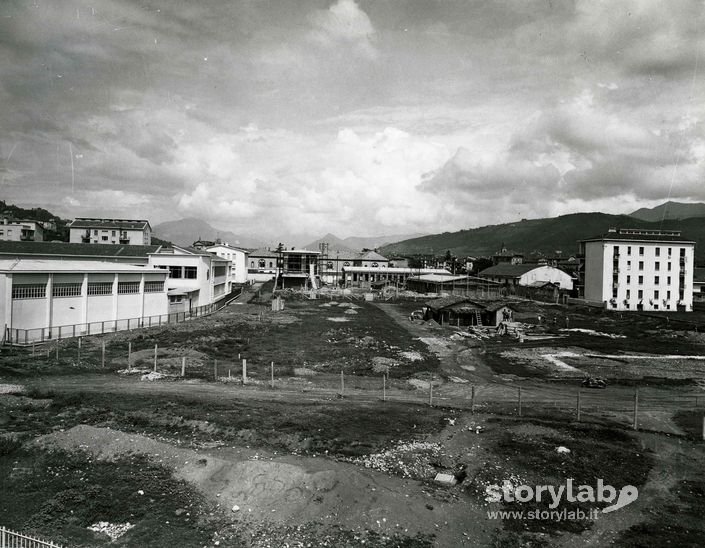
[(203, 460)]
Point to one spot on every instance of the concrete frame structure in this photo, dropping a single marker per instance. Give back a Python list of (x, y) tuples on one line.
[(363, 276), (638, 269), (110, 231), (40, 294)]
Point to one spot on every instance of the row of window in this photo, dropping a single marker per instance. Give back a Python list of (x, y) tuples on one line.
[(657, 266), (38, 291), (657, 251), (640, 280), (182, 272)]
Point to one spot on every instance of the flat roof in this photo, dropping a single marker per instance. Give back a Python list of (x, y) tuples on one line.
[(53, 265), (395, 270), (645, 235), (128, 224)]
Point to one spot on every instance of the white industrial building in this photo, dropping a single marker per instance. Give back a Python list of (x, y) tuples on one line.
[(528, 275), (80, 297), (637, 269), (84, 230)]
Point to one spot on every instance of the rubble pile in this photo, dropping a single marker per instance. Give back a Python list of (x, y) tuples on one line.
[(406, 459), (113, 530)]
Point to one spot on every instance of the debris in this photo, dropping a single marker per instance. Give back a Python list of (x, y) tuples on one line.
[(562, 449), (236, 508), (446, 479), (113, 530)]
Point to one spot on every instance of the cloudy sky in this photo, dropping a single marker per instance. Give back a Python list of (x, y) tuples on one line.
[(355, 117)]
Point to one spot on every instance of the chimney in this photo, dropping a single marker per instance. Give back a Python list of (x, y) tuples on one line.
[(612, 229)]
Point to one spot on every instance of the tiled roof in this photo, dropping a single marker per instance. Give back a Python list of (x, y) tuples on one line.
[(125, 224), (371, 256), (17, 249), (262, 252)]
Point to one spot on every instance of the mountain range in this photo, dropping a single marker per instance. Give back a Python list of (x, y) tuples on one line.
[(357, 243), (186, 231), (541, 236), (670, 210)]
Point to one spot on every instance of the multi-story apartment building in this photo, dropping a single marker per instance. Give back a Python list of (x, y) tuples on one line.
[(21, 231), (110, 231), (639, 269)]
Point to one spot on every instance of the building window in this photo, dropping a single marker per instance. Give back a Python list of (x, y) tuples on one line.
[(261, 263), (104, 238), (346, 263), (271, 264), (668, 295), (641, 265), (629, 293), (657, 265), (656, 294), (629, 250), (656, 280), (95, 233), (641, 280), (658, 251), (329, 266), (190, 272), (641, 251), (29, 291), (125, 288), (668, 280), (153, 287), (100, 288), (615, 250), (66, 290), (173, 299), (252, 264), (113, 234), (640, 294), (669, 266), (374, 265), (629, 279)]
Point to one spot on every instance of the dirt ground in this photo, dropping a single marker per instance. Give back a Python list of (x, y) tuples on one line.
[(309, 461)]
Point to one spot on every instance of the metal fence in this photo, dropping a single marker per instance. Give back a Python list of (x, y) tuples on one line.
[(23, 337), (12, 539)]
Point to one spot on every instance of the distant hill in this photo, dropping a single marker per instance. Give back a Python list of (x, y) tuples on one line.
[(670, 210), (186, 231), (356, 243), (545, 236), (38, 214)]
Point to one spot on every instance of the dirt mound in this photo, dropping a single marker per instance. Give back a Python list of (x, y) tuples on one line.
[(267, 490)]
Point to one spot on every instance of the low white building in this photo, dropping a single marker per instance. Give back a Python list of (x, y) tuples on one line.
[(237, 258), (84, 230), (640, 269), (195, 278), (80, 297), (21, 231), (526, 274)]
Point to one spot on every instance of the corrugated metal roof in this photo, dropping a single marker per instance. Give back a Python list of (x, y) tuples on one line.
[(510, 270), (54, 265)]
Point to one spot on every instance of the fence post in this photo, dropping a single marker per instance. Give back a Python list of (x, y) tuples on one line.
[(244, 371), (156, 349), (183, 366), (79, 350), (57, 351), (519, 395), (129, 356), (272, 384), (102, 353), (472, 399), (577, 407), (635, 426)]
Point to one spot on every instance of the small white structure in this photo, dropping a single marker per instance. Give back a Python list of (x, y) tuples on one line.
[(640, 269), (237, 258), (21, 231), (47, 294), (526, 274), (84, 230)]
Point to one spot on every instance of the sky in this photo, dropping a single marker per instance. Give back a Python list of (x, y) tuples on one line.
[(354, 117)]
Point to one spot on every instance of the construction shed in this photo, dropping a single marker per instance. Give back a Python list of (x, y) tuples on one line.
[(462, 311)]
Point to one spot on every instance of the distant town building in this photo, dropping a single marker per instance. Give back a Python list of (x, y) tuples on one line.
[(637, 269), (110, 231), (504, 256), (291, 268), (21, 230)]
